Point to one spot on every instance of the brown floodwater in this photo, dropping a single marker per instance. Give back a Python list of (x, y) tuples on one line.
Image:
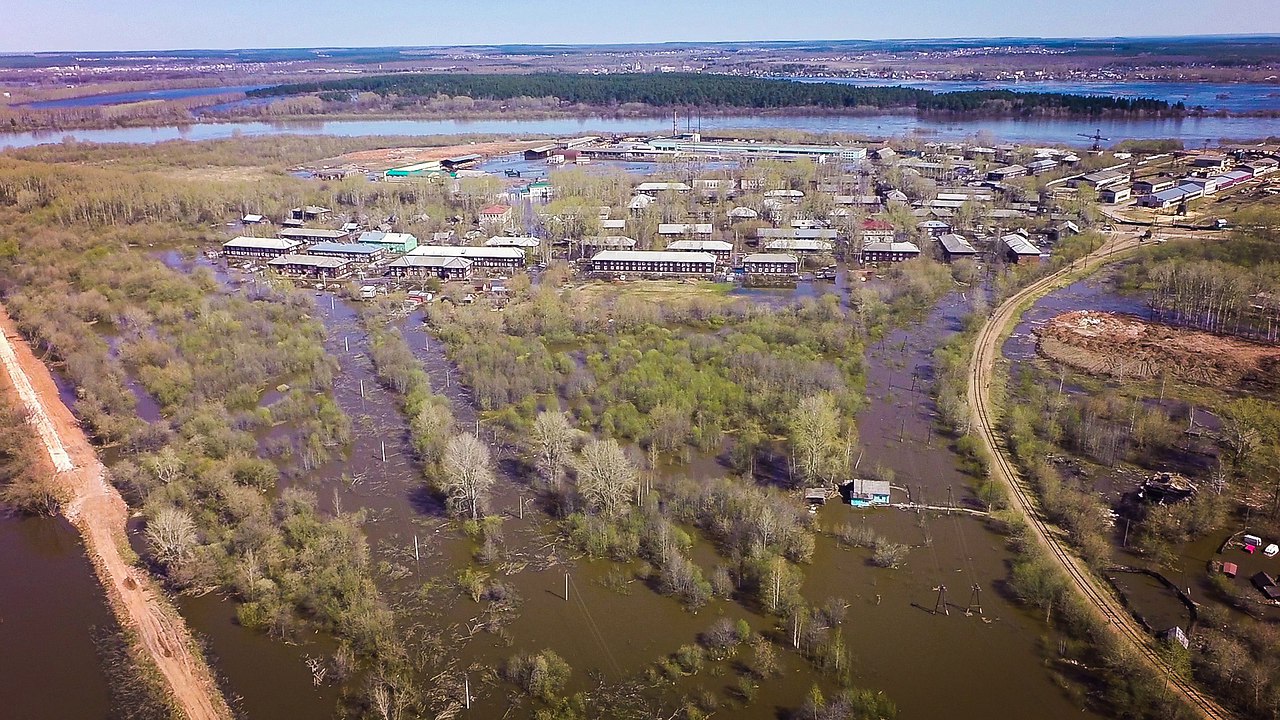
[(51, 609)]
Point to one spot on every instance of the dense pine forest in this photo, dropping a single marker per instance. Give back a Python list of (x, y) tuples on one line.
[(716, 91)]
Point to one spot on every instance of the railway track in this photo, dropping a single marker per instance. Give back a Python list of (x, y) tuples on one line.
[(981, 372)]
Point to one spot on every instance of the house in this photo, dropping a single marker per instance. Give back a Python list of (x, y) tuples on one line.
[(1037, 167), (799, 245), (313, 235), (933, 228), (864, 493), (357, 253), (874, 230), (785, 195), (496, 215), (896, 196), (595, 243), (487, 257), (743, 213), (878, 252), (955, 247), (770, 264), (255, 247), (393, 242), (679, 229), (424, 266), (308, 212), (1266, 585), (815, 496), (311, 266), (1018, 248), (1007, 172), (528, 243), (797, 233), (650, 262), (253, 219), (721, 249), (654, 188), (538, 190), (638, 204), (613, 224)]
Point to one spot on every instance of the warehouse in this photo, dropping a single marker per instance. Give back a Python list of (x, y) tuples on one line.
[(771, 264), (358, 253), (256, 247), (486, 257), (424, 266), (721, 249), (654, 263), (310, 266), (393, 242)]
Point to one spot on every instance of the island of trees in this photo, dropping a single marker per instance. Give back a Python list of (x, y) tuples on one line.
[(715, 92)]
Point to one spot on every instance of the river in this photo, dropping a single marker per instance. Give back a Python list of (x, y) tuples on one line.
[(1193, 131)]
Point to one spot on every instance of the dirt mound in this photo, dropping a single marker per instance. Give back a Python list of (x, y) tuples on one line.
[(1122, 346)]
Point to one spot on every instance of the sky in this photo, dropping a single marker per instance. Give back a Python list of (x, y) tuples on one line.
[(60, 25)]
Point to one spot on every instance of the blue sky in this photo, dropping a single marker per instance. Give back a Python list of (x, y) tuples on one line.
[(174, 24)]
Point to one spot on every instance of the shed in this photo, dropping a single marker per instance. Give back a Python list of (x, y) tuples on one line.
[(1230, 569), (1175, 634), (863, 493), (815, 496)]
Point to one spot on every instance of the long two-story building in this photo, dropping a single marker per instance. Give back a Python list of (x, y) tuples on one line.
[(650, 262)]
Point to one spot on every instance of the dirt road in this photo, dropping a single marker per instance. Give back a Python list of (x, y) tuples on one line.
[(981, 371), (96, 509)]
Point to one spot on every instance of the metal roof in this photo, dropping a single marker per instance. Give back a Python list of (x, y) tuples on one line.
[(682, 228), (897, 247), (258, 243), (520, 242), (345, 248), (770, 258), (376, 237), (654, 256), (956, 245), (701, 245), (615, 241), (312, 233), (511, 253), (310, 261), (1019, 244), (864, 488), (809, 244), (433, 261)]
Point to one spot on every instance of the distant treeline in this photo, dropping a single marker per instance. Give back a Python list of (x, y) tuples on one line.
[(714, 91)]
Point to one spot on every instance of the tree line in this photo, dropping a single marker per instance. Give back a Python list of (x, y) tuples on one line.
[(711, 91)]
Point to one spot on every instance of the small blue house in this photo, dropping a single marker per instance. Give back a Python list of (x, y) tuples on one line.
[(865, 493)]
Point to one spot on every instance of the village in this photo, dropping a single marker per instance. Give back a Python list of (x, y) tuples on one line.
[(732, 210)]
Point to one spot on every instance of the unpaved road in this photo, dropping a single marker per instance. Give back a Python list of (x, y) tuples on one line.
[(96, 509), (984, 420)]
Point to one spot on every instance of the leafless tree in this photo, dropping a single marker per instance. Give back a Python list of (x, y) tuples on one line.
[(172, 535), (468, 473), (554, 437), (606, 477)]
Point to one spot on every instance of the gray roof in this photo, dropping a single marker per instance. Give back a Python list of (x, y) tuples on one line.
[(609, 241), (258, 243), (864, 488), (310, 261), (468, 251), (898, 247), (431, 261), (520, 242), (770, 258), (312, 234), (701, 245), (803, 244), (956, 245), (345, 248), (384, 238), (1019, 245), (683, 228), (653, 256)]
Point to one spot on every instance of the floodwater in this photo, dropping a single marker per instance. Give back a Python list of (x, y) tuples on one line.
[(1191, 130), (84, 101), (51, 608)]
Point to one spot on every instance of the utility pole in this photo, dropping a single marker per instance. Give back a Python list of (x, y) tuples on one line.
[(902, 429), (975, 600), (566, 587), (941, 604), (384, 451), (466, 691), (362, 389), (950, 500)]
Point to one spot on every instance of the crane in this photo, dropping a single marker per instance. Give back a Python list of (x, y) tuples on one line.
[(1096, 137)]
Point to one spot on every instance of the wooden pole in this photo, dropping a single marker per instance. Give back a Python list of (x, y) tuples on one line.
[(384, 451), (566, 587), (362, 389)]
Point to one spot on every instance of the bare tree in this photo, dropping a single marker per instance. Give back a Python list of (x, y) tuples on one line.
[(172, 535), (554, 438), (606, 476), (468, 473), (815, 428)]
